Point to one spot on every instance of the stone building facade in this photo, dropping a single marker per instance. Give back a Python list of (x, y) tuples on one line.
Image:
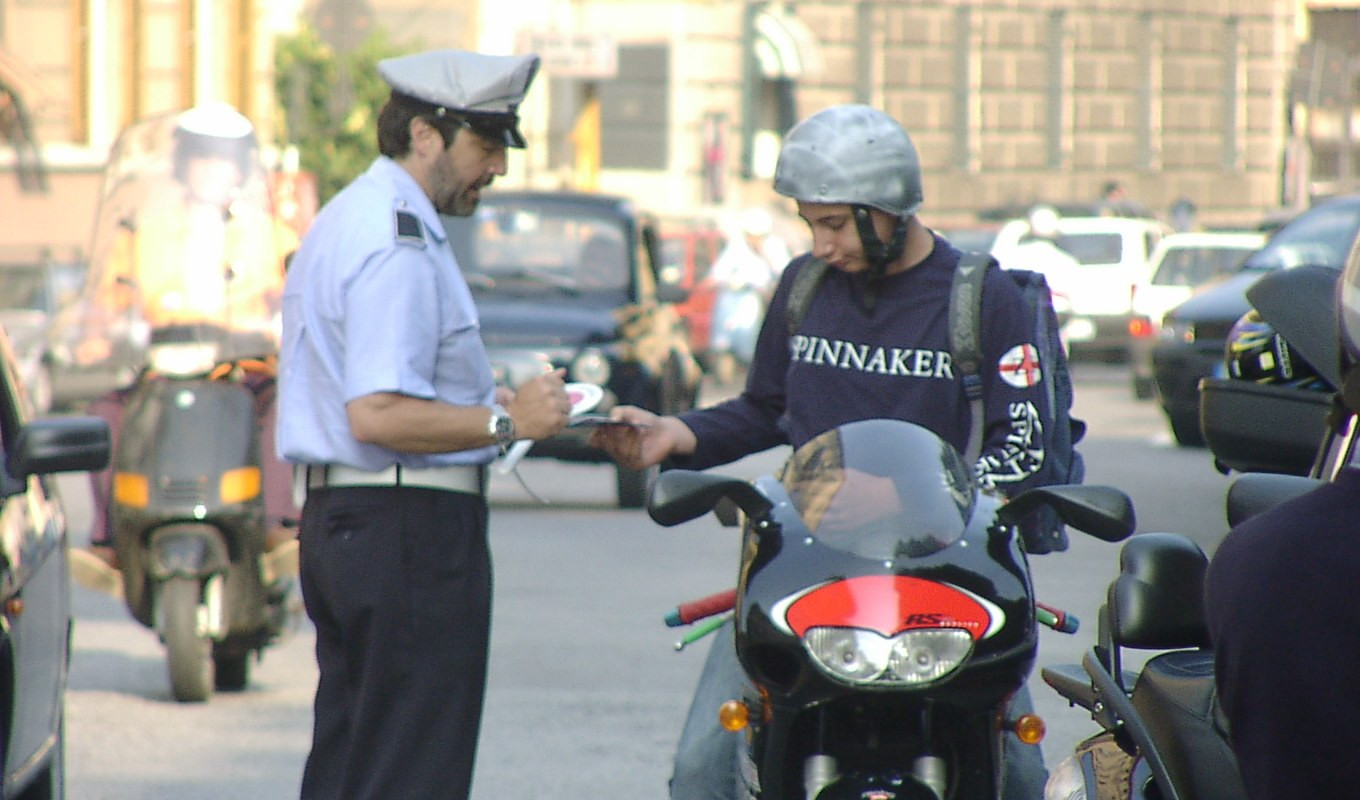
[(682, 103)]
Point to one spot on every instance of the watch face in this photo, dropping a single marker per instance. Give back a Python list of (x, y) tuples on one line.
[(505, 428)]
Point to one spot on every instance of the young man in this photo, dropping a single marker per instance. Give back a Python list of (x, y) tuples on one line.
[(856, 177), (389, 410)]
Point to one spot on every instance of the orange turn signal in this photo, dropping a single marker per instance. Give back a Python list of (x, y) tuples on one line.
[(131, 489), (239, 485), (733, 715), (1029, 728)]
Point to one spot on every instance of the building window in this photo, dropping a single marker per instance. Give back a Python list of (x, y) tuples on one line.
[(1058, 113), (1234, 85), (634, 114)]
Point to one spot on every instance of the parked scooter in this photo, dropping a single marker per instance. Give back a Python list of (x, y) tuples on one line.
[(188, 515), (884, 610), (184, 293)]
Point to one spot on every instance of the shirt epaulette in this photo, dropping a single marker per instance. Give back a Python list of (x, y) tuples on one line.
[(409, 229)]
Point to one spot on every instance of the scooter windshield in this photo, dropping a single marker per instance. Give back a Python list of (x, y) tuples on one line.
[(185, 245), (881, 489)]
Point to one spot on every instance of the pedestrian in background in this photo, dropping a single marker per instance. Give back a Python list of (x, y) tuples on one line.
[(389, 411)]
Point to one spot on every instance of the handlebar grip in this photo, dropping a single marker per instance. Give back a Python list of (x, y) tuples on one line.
[(685, 613), (1057, 619)]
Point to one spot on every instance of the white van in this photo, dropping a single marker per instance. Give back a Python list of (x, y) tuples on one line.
[(1092, 296)]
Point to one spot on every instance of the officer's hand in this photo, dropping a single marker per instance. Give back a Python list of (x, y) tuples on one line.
[(644, 440), (540, 406)]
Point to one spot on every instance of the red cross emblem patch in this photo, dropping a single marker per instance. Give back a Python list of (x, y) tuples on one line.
[(1020, 366)]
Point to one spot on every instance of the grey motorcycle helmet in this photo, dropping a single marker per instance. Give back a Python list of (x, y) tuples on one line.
[(851, 154), (856, 155)]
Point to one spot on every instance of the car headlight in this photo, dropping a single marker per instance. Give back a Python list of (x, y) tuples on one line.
[(183, 358), (1178, 331), (1066, 781), (590, 366), (859, 656)]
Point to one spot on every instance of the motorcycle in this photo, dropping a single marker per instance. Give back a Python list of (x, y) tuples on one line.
[(1162, 735), (184, 294), (884, 611)]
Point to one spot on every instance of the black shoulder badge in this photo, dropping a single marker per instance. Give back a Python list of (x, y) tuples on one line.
[(409, 229)]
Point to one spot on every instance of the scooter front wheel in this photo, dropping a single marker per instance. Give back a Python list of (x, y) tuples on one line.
[(187, 646)]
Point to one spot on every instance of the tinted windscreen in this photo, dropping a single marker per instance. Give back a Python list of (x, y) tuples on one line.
[(881, 489), (528, 248), (1321, 236)]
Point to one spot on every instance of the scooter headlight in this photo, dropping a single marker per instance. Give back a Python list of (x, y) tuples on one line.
[(590, 366), (183, 358), (859, 656)]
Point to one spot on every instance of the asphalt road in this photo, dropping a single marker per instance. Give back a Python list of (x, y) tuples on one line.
[(587, 692)]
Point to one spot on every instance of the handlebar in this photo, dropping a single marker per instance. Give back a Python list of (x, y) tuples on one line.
[(1056, 618), (686, 613)]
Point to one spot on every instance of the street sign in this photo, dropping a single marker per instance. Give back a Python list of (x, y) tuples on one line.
[(572, 55)]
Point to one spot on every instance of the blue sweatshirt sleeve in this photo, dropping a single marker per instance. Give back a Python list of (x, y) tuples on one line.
[(751, 422)]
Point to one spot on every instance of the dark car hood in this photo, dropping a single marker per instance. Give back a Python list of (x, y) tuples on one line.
[(514, 323), (1300, 304)]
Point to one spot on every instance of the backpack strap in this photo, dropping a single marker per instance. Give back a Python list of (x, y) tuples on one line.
[(805, 284), (965, 340)]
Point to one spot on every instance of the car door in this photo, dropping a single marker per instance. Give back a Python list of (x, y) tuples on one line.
[(37, 598)]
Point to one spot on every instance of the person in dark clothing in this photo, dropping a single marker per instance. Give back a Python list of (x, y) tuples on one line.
[(1280, 603), (874, 344)]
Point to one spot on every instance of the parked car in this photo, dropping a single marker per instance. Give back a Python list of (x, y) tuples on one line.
[(35, 636), (34, 284), (570, 279), (1112, 253), (1193, 335), (1181, 262)]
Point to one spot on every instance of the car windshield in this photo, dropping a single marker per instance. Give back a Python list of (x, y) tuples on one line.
[(547, 248), (1192, 266), (1321, 236), (881, 489), (1093, 248)]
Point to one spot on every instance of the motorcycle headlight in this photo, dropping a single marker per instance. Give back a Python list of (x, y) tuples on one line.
[(183, 358), (859, 656), (590, 366), (1066, 781)]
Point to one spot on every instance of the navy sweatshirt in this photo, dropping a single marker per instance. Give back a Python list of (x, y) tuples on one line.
[(847, 363)]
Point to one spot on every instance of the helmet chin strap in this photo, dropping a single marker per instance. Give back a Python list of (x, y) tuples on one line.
[(878, 253)]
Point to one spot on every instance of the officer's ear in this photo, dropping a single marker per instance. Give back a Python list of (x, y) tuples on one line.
[(425, 138)]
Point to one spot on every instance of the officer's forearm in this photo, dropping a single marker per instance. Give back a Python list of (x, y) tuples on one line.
[(414, 425)]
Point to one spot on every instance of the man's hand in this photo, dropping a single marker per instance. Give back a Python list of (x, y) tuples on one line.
[(540, 406), (646, 440)]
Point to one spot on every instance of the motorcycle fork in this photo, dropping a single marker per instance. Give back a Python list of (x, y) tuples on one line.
[(820, 769)]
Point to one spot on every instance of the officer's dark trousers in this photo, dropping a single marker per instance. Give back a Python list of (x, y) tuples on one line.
[(398, 583)]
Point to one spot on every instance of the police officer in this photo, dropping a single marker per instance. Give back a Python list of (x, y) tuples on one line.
[(389, 410)]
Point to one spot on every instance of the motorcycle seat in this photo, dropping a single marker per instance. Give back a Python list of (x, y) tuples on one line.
[(1176, 697)]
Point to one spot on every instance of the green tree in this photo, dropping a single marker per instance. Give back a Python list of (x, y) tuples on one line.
[(328, 103)]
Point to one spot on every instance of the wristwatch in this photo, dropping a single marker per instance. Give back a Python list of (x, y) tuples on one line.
[(501, 428)]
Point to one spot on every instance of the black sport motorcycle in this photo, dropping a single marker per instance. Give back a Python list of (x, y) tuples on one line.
[(884, 611)]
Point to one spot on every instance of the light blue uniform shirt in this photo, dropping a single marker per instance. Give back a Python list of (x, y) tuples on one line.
[(373, 306)]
